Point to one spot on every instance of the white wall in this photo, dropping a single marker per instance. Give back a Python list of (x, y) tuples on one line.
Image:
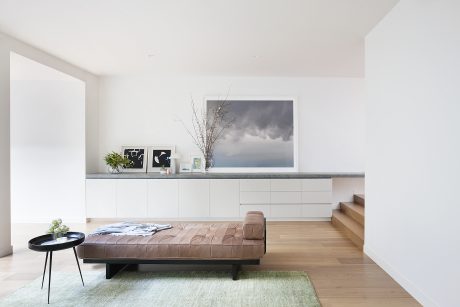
[(91, 88), (5, 222), (144, 110), (47, 143), (413, 148)]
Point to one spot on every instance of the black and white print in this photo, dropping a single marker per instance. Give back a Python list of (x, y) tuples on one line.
[(137, 155), (160, 157), (261, 135)]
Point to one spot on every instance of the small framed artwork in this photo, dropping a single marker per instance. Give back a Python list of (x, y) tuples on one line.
[(197, 164), (137, 155), (159, 157), (185, 168)]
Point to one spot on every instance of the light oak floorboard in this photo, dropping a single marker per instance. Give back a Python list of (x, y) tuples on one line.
[(341, 274)]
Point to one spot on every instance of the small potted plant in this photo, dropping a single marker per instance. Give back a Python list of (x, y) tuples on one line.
[(116, 162), (58, 230)]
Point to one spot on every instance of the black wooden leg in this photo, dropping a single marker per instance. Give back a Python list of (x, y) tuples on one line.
[(44, 270), (235, 270), (49, 276), (78, 263), (113, 268)]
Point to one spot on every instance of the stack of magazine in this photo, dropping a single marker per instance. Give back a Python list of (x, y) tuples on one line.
[(130, 229)]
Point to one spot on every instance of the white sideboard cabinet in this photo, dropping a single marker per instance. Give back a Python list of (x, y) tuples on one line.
[(207, 199)]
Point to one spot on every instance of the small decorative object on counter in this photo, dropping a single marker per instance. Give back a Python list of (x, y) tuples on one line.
[(163, 170), (175, 157), (58, 230), (116, 162), (185, 168), (198, 164)]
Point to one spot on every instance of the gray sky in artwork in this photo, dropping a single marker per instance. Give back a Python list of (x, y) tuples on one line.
[(261, 135)]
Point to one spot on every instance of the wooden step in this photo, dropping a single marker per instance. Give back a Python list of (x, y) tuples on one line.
[(355, 211), (358, 199), (352, 229)]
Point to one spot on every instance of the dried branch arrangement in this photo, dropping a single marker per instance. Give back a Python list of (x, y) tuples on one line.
[(208, 128)]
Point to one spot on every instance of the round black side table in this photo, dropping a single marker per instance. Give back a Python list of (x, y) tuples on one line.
[(48, 244)]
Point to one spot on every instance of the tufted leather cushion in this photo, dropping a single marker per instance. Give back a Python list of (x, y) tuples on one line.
[(254, 226), (183, 241)]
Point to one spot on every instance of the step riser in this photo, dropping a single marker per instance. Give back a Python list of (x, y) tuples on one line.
[(353, 214), (349, 233), (358, 200)]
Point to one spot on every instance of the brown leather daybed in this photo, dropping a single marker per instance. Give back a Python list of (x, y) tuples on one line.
[(191, 243)]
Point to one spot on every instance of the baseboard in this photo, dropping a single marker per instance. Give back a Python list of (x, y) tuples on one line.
[(6, 252), (400, 278)]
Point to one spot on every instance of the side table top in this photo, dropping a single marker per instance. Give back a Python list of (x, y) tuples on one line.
[(47, 243)]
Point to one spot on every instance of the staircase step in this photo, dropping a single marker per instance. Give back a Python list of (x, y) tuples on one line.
[(353, 230), (359, 199), (355, 211)]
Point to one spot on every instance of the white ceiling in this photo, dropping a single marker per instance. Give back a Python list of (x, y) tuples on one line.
[(200, 37)]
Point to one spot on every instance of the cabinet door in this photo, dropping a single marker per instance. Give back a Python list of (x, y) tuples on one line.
[(163, 198), (225, 197), (264, 208), (317, 184), (194, 198), (254, 185), (285, 185), (132, 198), (100, 198)]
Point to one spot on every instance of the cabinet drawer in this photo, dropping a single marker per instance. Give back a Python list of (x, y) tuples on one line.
[(254, 185), (254, 198), (317, 184), (316, 197), (285, 197), (264, 208), (316, 210), (285, 185), (285, 210)]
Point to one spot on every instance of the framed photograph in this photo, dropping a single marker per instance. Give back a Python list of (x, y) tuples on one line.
[(137, 155), (197, 163), (160, 156), (263, 136), (185, 168)]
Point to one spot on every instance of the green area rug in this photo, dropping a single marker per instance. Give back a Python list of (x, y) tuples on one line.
[(190, 289)]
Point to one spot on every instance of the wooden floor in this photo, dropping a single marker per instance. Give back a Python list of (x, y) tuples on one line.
[(341, 274)]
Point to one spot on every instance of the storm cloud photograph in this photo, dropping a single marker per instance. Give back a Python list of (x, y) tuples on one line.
[(261, 134)]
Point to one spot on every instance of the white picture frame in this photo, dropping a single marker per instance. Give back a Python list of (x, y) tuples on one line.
[(137, 154), (158, 156), (197, 163), (295, 137)]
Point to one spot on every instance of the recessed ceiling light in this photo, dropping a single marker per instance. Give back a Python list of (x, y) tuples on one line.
[(255, 56)]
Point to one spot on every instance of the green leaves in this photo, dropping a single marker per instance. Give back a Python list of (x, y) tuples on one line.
[(116, 160)]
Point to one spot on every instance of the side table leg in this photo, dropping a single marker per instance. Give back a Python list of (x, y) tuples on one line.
[(44, 270), (78, 263), (49, 276)]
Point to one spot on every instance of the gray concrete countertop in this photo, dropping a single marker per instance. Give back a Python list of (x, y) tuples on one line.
[(211, 175)]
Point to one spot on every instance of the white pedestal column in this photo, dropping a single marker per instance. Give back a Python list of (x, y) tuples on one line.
[(5, 197)]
